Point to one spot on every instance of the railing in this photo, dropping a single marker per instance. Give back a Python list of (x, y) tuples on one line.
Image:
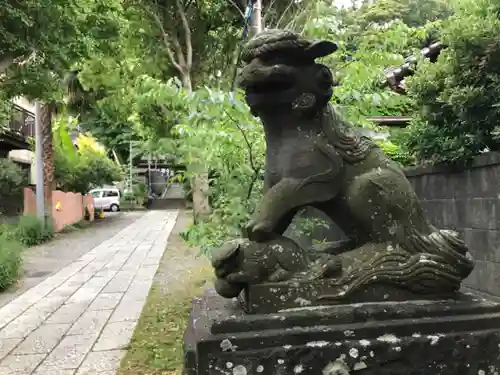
[(22, 122)]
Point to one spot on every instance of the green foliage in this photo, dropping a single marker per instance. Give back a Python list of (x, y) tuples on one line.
[(90, 169), (80, 170), (236, 155), (136, 198), (30, 231), (396, 152), (133, 60), (12, 182), (76, 226), (10, 261), (303, 225), (366, 50), (413, 13), (459, 95), (37, 56)]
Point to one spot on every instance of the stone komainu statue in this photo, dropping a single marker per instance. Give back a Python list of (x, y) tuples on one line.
[(315, 158)]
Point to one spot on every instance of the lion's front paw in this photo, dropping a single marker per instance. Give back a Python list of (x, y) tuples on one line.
[(258, 231), (226, 289)]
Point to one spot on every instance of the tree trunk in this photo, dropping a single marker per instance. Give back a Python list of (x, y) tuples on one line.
[(186, 82), (48, 156), (201, 203), (256, 25)]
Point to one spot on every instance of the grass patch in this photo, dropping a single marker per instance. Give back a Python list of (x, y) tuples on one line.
[(28, 230), (156, 347), (10, 261), (76, 227)]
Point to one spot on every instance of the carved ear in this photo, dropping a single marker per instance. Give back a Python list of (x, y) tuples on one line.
[(321, 48), (323, 76)]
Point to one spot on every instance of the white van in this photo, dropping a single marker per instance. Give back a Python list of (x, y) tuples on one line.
[(106, 198)]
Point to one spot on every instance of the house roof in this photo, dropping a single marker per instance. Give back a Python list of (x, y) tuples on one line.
[(394, 121), (394, 77)]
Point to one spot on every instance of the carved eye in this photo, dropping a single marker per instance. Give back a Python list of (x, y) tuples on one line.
[(306, 100)]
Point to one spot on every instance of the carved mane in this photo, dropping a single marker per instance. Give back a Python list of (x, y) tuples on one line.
[(349, 144)]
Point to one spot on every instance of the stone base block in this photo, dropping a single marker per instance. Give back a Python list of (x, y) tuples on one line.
[(447, 337), (274, 297)]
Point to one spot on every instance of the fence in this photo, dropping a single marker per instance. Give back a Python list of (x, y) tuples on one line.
[(67, 208)]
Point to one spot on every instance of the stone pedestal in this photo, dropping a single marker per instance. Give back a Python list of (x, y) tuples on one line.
[(454, 337)]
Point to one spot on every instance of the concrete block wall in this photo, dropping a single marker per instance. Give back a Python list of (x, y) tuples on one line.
[(468, 201)]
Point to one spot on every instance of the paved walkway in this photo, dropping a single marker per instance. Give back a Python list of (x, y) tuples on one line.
[(44, 260), (79, 320)]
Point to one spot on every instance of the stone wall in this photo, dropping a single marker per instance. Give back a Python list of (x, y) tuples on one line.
[(311, 226), (468, 201)]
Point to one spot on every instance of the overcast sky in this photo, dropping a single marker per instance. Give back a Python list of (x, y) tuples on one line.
[(341, 3)]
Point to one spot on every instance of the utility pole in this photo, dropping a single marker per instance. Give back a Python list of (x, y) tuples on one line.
[(256, 23), (40, 196), (150, 187), (130, 167)]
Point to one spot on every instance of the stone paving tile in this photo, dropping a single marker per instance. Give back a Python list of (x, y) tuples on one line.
[(146, 273), (98, 362), (6, 345), (83, 295), (98, 283), (20, 364), (115, 336), (46, 370), (67, 313), (10, 312), (47, 305), (93, 267), (105, 290), (127, 310), (37, 292), (106, 301), (70, 352), (79, 279), (73, 268), (115, 265), (64, 290), (138, 291), (119, 283), (107, 273), (90, 322), (22, 326), (43, 339)]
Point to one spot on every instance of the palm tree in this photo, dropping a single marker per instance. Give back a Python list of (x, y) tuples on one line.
[(46, 113)]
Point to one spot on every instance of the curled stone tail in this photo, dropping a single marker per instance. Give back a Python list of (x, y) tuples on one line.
[(433, 264)]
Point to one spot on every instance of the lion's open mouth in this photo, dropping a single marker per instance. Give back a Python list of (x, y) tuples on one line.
[(261, 77), (269, 87)]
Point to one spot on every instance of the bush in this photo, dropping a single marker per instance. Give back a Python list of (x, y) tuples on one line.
[(12, 181), (397, 153), (84, 170), (30, 231), (459, 94), (10, 261)]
